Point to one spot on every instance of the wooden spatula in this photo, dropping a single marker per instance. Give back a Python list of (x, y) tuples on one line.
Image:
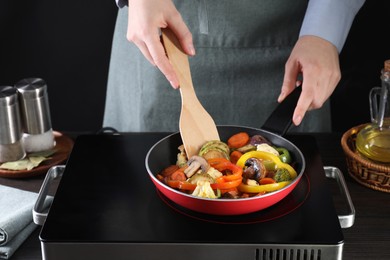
[(196, 125)]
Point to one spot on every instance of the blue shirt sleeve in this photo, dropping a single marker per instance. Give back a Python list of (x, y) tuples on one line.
[(330, 19)]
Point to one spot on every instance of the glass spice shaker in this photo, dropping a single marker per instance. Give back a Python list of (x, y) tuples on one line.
[(34, 103), (11, 148)]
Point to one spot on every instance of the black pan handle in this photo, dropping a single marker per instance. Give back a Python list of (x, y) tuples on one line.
[(281, 118)]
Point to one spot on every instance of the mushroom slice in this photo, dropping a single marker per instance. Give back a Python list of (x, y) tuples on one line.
[(194, 164), (254, 170)]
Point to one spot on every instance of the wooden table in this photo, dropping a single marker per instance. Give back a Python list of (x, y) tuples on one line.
[(368, 238)]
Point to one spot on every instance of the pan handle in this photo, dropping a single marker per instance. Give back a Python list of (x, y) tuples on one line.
[(347, 220), (54, 173), (280, 119)]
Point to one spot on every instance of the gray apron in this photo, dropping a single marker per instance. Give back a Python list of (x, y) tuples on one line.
[(241, 49)]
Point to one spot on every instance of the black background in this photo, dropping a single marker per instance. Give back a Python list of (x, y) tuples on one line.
[(68, 44)]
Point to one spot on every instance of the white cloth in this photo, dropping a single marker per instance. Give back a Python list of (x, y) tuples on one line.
[(7, 250), (16, 221)]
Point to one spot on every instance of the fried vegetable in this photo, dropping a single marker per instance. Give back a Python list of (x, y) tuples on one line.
[(214, 173), (262, 188), (284, 155), (235, 155), (204, 190), (282, 174), (169, 170), (178, 175), (259, 139), (215, 149), (267, 157), (196, 163), (240, 168), (246, 148), (181, 157), (267, 148), (214, 154), (254, 169), (238, 140), (201, 177)]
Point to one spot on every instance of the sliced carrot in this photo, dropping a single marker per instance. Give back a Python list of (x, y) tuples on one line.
[(160, 177), (267, 180), (169, 170), (217, 161), (238, 140), (181, 185), (234, 156), (178, 175)]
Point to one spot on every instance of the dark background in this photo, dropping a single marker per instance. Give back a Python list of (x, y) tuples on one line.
[(68, 44), (361, 61)]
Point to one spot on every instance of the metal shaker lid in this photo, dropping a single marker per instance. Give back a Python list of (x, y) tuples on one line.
[(34, 105), (8, 96), (31, 88), (10, 123)]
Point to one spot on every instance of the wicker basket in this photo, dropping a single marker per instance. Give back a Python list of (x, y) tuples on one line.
[(365, 171)]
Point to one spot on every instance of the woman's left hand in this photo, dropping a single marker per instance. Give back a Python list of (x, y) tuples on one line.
[(317, 60)]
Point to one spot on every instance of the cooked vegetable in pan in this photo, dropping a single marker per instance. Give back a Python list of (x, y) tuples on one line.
[(244, 166)]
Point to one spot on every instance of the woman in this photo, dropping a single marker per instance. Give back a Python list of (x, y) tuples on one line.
[(240, 50)]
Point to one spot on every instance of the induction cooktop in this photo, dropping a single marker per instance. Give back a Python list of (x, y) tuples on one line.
[(106, 207)]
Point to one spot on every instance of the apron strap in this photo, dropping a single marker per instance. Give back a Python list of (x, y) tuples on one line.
[(203, 17)]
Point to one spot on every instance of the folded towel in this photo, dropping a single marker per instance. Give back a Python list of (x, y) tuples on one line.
[(7, 250), (16, 220)]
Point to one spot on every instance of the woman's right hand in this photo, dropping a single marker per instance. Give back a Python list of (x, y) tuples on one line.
[(145, 19)]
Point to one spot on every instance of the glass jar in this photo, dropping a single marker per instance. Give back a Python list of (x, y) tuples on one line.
[(373, 141)]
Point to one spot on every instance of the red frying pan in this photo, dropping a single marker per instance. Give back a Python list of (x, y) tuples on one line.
[(164, 153)]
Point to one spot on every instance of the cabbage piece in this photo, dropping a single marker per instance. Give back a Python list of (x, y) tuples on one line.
[(204, 190), (267, 148)]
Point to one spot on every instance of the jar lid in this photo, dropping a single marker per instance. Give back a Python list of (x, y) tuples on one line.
[(31, 88), (8, 95)]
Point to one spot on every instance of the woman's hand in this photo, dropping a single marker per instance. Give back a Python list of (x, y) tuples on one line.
[(145, 19), (318, 62)]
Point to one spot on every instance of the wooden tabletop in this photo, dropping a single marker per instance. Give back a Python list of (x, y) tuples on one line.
[(368, 238)]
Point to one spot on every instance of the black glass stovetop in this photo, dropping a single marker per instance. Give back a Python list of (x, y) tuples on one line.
[(106, 196)]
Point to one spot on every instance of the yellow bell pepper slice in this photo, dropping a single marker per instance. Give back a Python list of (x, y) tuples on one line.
[(266, 156), (262, 188)]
